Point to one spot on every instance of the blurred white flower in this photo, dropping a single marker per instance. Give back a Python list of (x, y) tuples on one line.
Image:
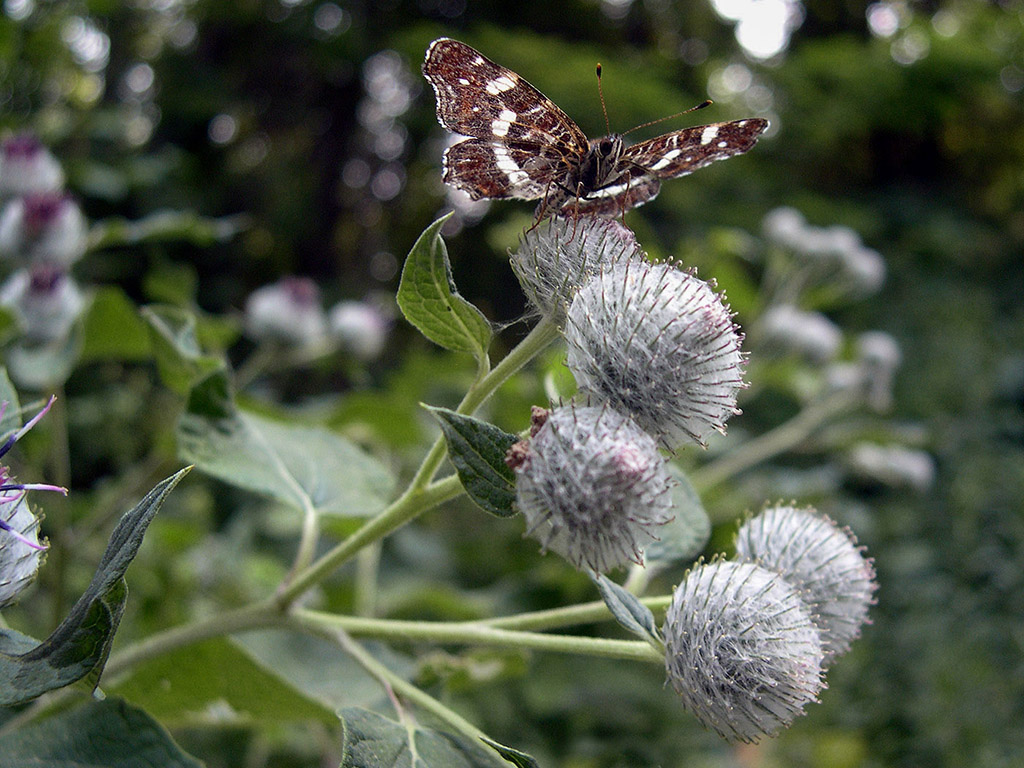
[(809, 334), (27, 167), (360, 328), (288, 311), (45, 299), (46, 227)]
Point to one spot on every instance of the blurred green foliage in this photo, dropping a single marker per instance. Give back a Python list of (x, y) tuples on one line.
[(262, 108)]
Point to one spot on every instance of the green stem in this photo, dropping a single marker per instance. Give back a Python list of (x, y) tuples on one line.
[(411, 504), (782, 438), (256, 616), (421, 494), (556, 618), (411, 693), (471, 633)]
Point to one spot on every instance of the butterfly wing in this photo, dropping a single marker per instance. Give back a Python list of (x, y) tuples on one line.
[(682, 152), (521, 142)]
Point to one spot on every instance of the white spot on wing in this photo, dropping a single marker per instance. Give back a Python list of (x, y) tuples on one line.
[(667, 158), (709, 134), (501, 124), (503, 160), (500, 85)]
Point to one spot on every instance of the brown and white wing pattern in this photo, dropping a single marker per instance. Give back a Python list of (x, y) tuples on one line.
[(521, 143)]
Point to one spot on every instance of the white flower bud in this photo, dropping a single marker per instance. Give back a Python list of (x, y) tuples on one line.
[(658, 344), (557, 257), (784, 226), (360, 328), (46, 301), (822, 561), (741, 649), (27, 167), (288, 311), (21, 553), (892, 465), (864, 268), (43, 228), (593, 487), (809, 334)]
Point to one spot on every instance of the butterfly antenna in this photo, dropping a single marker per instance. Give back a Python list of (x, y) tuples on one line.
[(705, 103), (600, 93)]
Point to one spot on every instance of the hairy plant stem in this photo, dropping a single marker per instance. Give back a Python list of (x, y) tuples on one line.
[(421, 494), (475, 633), (411, 693), (782, 438)]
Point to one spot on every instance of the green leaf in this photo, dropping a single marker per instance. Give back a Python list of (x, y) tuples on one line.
[(319, 669), (477, 449), (428, 299), (626, 608), (165, 226), (180, 688), (179, 358), (514, 756), (370, 740), (109, 733), (78, 648), (11, 419), (113, 328), (683, 538), (299, 465)]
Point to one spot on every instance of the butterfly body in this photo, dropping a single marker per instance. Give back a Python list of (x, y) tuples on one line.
[(521, 145)]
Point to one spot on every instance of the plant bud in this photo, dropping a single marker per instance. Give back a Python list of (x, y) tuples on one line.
[(593, 487), (658, 344), (43, 228), (741, 649), (558, 256), (822, 561), (27, 167), (288, 311), (46, 301)]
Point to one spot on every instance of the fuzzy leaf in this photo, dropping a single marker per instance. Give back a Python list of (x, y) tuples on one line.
[(514, 756), (109, 733), (299, 465), (179, 358), (370, 740), (683, 538), (78, 648), (11, 420), (477, 449), (429, 300), (626, 608)]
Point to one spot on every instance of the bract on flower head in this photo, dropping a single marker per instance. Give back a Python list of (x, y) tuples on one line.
[(20, 548)]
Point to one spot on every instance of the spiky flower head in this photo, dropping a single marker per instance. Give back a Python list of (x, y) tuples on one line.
[(660, 345), (822, 561), (557, 257), (43, 228), (45, 299), (741, 649), (20, 549), (360, 328), (592, 487), (26, 167), (288, 311)]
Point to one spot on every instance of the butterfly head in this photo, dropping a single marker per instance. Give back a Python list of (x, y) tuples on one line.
[(602, 159)]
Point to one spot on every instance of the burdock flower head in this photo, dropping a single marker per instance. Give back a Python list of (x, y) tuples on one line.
[(660, 345), (592, 486), (557, 257), (289, 311), (822, 561), (20, 549), (26, 166), (741, 649)]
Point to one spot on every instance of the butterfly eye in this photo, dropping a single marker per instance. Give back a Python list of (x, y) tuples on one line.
[(606, 147)]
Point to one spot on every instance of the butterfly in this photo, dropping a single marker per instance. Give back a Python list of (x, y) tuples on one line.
[(521, 145)]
